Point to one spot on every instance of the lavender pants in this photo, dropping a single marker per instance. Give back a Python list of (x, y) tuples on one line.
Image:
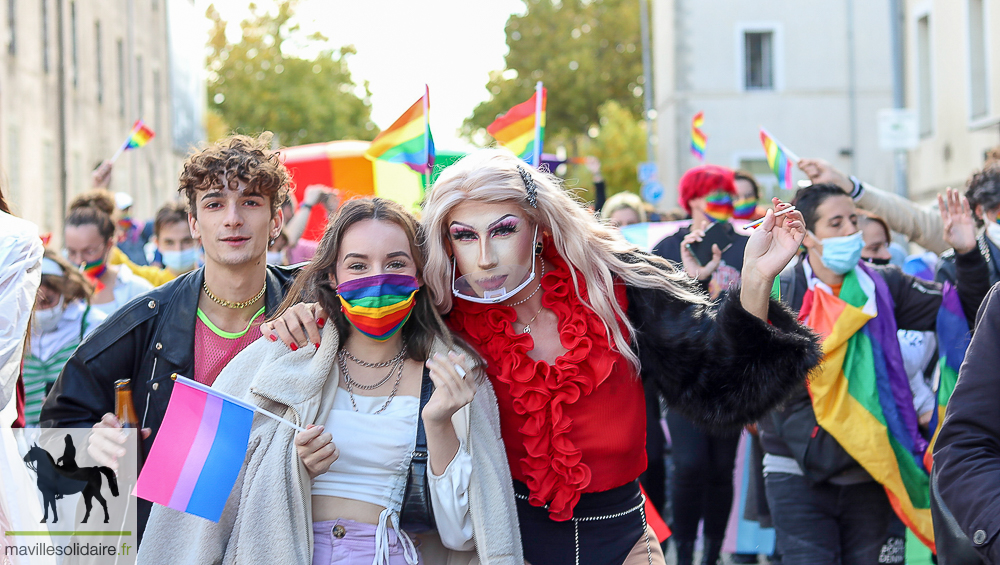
[(346, 542)]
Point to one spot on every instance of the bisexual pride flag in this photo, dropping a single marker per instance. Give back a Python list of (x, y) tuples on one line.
[(198, 451)]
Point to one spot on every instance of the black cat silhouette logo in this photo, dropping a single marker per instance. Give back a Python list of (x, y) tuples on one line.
[(58, 477)]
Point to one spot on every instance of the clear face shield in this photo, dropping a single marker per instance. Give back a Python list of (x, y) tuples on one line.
[(493, 285)]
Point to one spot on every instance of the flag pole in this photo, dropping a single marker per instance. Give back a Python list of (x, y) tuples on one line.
[(538, 125), (427, 136), (119, 152), (209, 390)]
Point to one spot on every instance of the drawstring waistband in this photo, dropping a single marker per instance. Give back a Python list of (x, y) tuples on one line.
[(385, 519)]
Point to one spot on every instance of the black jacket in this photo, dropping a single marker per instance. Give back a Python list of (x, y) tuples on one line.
[(967, 451), (946, 267), (916, 307), (147, 340), (717, 364)]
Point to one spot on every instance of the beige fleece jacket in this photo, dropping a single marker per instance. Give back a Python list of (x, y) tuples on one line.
[(923, 226), (268, 517)]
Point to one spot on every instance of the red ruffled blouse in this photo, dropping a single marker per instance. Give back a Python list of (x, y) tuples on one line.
[(576, 426)]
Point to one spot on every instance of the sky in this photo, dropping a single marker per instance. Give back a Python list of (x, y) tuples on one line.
[(450, 45)]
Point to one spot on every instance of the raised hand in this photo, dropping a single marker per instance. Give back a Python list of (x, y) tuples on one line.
[(822, 172), (691, 265), (773, 244), (959, 226)]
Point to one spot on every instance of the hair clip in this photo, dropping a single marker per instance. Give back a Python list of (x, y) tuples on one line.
[(529, 186)]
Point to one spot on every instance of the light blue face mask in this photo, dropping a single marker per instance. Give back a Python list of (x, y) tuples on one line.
[(841, 254), (180, 261)]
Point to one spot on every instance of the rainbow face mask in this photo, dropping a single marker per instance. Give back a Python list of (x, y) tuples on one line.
[(719, 206), (93, 270), (378, 305), (744, 208)]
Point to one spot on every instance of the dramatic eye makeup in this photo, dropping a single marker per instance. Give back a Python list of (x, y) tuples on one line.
[(504, 226), (501, 227)]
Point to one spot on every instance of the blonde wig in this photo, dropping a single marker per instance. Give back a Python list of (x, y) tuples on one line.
[(588, 246)]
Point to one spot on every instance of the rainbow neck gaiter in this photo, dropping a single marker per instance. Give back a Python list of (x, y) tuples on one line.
[(93, 271), (379, 305), (719, 206), (744, 208)]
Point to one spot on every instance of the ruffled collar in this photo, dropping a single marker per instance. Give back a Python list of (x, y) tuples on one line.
[(542, 393)]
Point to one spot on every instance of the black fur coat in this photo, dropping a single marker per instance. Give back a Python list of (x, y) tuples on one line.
[(717, 364)]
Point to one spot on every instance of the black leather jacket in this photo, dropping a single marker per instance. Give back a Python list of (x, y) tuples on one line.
[(147, 340)]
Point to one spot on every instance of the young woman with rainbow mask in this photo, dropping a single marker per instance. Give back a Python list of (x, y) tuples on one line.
[(335, 492)]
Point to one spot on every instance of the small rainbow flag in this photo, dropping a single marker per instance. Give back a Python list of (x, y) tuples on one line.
[(199, 449), (779, 159), (139, 136), (861, 394), (522, 128), (408, 140), (698, 137)]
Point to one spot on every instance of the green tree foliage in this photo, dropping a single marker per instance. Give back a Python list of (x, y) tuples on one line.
[(621, 146), (255, 85), (586, 52)]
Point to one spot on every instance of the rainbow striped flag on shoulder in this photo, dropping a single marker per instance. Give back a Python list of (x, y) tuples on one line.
[(522, 128), (861, 394), (408, 140)]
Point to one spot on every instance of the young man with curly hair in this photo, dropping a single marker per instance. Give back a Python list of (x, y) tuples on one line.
[(196, 323)]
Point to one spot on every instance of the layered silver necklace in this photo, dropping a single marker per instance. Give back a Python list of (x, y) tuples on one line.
[(395, 365)]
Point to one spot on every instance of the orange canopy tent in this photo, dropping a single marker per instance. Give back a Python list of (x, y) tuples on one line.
[(342, 165)]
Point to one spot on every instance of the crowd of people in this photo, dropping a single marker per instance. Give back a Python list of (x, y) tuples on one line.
[(487, 380)]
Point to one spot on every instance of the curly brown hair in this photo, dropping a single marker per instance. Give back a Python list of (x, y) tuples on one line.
[(238, 158), (984, 190)]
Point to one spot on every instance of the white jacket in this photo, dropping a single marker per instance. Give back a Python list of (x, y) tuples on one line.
[(268, 517)]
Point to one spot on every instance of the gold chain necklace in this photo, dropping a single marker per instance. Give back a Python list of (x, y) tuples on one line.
[(527, 326), (233, 305)]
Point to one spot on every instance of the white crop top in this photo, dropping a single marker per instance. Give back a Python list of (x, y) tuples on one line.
[(375, 449)]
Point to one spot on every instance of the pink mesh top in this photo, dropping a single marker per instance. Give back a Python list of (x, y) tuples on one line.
[(213, 348)]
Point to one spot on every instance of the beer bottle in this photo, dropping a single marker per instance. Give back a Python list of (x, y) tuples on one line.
[(125, 412)]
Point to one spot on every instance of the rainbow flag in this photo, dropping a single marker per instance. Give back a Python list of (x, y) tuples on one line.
[(953, 340), (139, 136), (522, 128), (198, 452), (779, 159), (698, 137), (861, 394), (408, 140)]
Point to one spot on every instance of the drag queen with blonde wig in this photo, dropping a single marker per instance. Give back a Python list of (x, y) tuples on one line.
[(571, 319), (566, 344)]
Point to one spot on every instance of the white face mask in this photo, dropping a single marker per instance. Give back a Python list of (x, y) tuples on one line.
[(48, 319), (993, 232), (494, 285)]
